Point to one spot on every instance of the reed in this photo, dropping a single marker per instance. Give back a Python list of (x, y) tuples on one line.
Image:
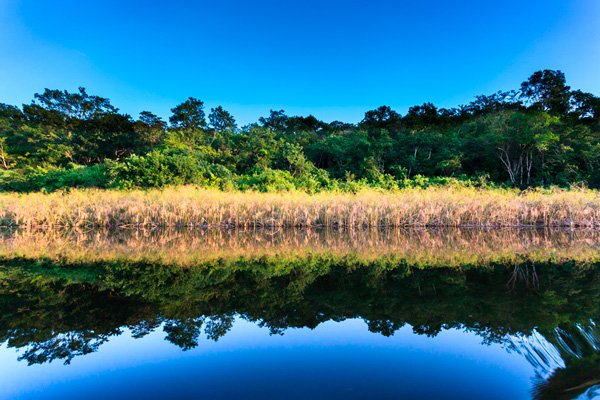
[(194, 207)]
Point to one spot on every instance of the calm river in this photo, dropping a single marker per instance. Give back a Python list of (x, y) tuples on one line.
[(465, 314)]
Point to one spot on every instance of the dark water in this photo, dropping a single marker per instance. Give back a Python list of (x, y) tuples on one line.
[(300, 324)]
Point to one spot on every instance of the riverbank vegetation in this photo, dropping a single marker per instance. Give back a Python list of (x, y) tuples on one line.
[(542, 134), (201, 208)]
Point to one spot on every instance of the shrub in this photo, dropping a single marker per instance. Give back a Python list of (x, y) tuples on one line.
[(162, 168), (51, 179), (267, 180), (219, 176), (315, 181)]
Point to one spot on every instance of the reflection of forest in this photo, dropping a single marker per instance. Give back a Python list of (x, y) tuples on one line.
[(57, 308)]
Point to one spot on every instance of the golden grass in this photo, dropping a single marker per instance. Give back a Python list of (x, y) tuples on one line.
[(193, 207), (418, 247)]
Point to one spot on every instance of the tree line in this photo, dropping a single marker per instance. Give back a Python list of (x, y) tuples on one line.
[(543, 133)]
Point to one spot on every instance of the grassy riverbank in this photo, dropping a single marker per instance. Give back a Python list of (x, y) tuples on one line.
[(193, 207)]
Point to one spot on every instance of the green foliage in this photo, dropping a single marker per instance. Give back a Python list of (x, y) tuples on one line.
[(51, 179), (462, 181), (188, 115), (220, 119), (541, 135), (316, 181), (267, 180), (173, 167)]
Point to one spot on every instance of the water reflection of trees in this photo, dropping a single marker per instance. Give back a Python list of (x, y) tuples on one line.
[(52, 311)]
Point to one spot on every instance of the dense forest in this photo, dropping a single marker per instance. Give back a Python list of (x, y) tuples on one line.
[(541, 134)]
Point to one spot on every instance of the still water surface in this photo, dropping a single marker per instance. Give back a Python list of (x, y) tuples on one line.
[(323, 315), (335, 360)]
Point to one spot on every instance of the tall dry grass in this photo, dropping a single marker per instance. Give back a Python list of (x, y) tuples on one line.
[(193, 207)]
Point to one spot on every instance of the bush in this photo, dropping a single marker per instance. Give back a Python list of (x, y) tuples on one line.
[(162, 168), (462, 181), (315, 181), (51, 179), (155, 169), (183, 166), (267, 180), (220, 177), (351, 184)]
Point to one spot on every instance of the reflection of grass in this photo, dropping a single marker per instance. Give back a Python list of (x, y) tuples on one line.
[(188, 206), (418, 247)]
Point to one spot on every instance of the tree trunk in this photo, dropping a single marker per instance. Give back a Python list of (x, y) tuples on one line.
[(3, 157)]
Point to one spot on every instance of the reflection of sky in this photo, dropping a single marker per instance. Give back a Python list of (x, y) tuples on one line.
[(334, 360)]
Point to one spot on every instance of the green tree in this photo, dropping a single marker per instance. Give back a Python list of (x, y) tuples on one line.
[(521, 141), (150, 129), (89, 125), (585, 106), (11, 119), (276, 121), (220, 119), (188, 115), (382, 117), (422, 116), (547, 90)]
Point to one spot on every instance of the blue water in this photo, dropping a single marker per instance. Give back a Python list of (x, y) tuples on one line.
[(101, 321), (335, 360)]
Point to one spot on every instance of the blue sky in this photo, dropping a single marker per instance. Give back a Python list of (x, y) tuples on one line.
[(334, 59)]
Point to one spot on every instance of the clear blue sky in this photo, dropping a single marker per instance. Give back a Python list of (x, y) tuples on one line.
[(334, 59)]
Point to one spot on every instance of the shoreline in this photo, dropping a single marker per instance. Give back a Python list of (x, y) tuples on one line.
[(192, 207), (415, 247)]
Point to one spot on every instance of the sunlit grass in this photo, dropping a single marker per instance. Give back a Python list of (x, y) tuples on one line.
[(194, 207)]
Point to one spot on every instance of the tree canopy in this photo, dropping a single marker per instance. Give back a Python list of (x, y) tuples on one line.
[(543, 133)]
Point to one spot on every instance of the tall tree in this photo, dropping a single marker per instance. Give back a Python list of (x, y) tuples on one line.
[(150, 129), (421, 116), (276, 121), (382, 117), (220, 119), (87, 125), (11, 119), (547, 90), (521, 141), (60, 108), (585, 105), (500, 101), (188, 115)]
